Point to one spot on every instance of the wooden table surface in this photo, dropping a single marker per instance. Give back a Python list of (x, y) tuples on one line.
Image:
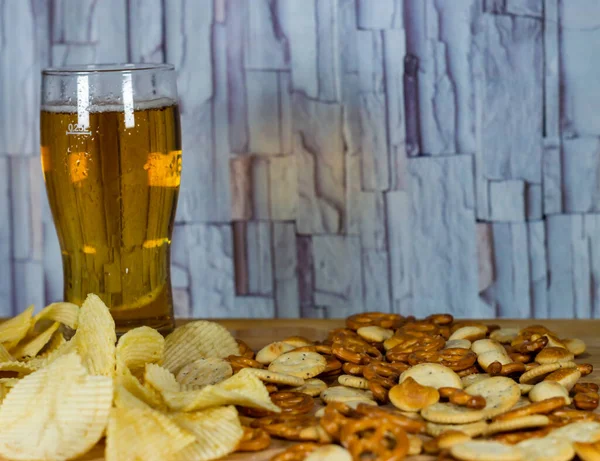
[(259, 332)]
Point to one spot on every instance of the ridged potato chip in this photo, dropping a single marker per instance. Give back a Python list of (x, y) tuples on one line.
[(161, 379), (217, 431), (95, 337), (57, 412), (135, 434), (143, 392), (63, 312), (204, 371), (243, 389), (31, 347), (138, 347), (5, 355), (14, 330), (57, 340), (197, 340)]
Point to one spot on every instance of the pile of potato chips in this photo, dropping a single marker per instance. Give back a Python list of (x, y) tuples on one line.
[(65, 382)]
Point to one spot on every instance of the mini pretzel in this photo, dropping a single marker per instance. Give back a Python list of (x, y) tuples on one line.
[(585, 387), (379, 319), (413, 426), (456, 359), (245, 350), (460, 397), (585, 368), (296, 452), (289, 427), (512, 438), (520, 358), (271, 387), (527, 342), (381, 372), (374, 439), (291, 403), (542, 407), (567, 415), (421, 326), (468, 371), (408, 344), (355, 351), (586, 400), (508, 369), (352, 369), (333, 367), (335, 416), (324, 349), (440, 319), (254, 439), (380, 391), (238, 362)]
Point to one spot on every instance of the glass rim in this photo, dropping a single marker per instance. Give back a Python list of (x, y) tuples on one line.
[(87, 69)]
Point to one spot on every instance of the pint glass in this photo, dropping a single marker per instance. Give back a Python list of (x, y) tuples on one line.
[(111, 157)]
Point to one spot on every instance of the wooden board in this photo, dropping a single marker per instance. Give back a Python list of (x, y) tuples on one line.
[(257, 333)]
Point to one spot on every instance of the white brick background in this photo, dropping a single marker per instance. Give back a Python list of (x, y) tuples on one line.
[(340, 155)]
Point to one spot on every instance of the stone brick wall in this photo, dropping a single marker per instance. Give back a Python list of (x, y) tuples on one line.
[(340, 155)]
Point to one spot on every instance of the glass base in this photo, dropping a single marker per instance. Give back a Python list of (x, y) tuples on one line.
[(164, 325)]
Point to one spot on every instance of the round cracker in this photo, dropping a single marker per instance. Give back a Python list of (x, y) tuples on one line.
[(500, 394), (471, 429), (546, 449), (329, 453), (553, 355), (271, 351), (575, 345), (515, 424), (486, 345), (375, 333), (301, 364), (269, 376), (471, 332), (504, 335), (312, 387), (485, 450), (433, 375), (353, 381), (474, 378), (567, 377), (538, 373), (458, 344), (581, 431), (448, 413), (547, 390), (344, 394)]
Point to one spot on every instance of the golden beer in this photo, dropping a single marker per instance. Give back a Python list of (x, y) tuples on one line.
[(113, 185)]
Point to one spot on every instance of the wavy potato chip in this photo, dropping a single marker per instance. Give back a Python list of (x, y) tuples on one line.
[(217, 431), (57, 412), (243, 389), (204, 371), (197, 340), (136, 433), (161, 379), (63, 312), (14, 330), (95, 337), (34, 345), (5, 356), (138, 347)]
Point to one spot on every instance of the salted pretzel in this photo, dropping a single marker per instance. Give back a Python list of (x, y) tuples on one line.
[(374, 438), (254, 439), (456, 359), (380, 319), (460, 397), (238, 362), (296, 452)]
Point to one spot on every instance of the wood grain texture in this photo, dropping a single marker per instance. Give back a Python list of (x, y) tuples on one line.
[(443, 147)]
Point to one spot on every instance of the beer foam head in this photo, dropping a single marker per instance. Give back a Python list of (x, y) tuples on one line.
[(111, 106)]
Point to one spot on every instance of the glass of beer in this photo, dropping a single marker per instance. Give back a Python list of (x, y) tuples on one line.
[(111, 157)]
